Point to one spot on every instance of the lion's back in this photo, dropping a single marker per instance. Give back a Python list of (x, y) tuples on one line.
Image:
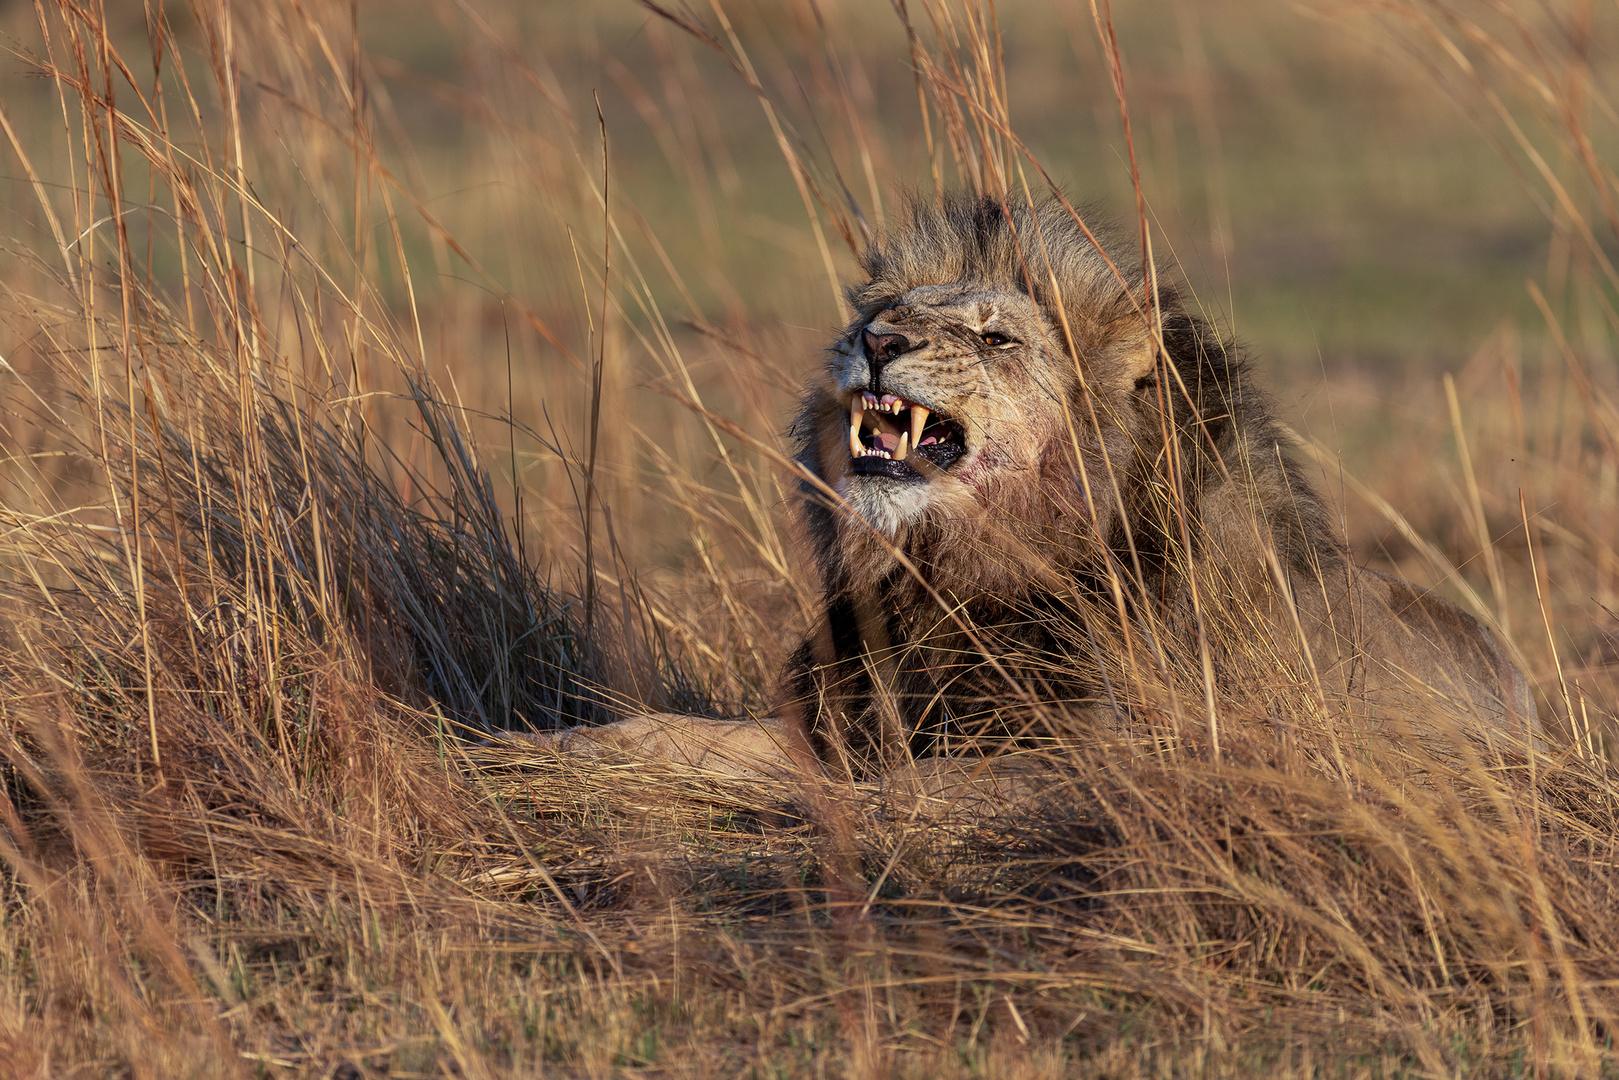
[(1390, 650)]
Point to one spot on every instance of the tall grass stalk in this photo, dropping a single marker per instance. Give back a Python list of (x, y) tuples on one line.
[(269, 598)]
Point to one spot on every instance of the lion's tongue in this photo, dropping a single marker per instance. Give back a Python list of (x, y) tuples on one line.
[(886, 434)]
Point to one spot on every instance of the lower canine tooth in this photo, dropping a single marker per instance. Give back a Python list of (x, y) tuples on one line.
[(855, 449), (904, 446)]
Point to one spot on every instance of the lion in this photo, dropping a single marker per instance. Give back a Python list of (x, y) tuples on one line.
[(1022, 459)]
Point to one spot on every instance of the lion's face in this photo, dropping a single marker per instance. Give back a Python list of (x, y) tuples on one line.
[(938, 401), (985, 412)]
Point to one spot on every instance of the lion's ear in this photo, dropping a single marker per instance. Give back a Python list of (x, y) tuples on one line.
[(1138, 364), (1118, 351), (1130, 365)]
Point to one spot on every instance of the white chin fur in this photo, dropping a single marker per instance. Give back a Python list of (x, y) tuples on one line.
[(885, 504)]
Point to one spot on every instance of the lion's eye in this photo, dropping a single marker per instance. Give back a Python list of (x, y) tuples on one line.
[(994, 338)]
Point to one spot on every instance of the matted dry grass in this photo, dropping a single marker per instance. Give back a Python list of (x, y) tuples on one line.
[(267, 600)]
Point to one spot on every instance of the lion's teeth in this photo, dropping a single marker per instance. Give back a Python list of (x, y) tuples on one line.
[(855, 449), (919, 420), (904, 446)]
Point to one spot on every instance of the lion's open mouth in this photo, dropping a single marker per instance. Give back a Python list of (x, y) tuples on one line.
[(886, 434)]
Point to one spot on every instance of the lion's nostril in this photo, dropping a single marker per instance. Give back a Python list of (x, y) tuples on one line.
[(884, 347)]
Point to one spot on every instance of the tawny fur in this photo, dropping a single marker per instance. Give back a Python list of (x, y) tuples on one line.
[(1107, 471)]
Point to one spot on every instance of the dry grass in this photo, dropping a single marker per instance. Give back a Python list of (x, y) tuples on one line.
[(266, 590)]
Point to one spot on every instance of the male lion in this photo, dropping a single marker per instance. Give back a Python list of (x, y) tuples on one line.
[(1018, 471)]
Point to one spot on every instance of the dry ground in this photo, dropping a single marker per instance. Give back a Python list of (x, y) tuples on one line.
[(357, 404)]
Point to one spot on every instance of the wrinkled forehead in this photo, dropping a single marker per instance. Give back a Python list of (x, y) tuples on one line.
[(966, 299)]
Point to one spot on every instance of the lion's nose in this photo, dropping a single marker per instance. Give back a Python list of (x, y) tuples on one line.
[(882, 348)]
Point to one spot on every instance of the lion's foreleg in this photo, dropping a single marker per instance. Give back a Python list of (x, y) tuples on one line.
[(740, 749)]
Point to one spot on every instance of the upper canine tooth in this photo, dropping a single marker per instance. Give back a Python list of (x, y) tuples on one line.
[(919, 420), (904, 446)]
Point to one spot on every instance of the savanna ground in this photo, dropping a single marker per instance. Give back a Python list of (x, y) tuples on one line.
[(357, 403)]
